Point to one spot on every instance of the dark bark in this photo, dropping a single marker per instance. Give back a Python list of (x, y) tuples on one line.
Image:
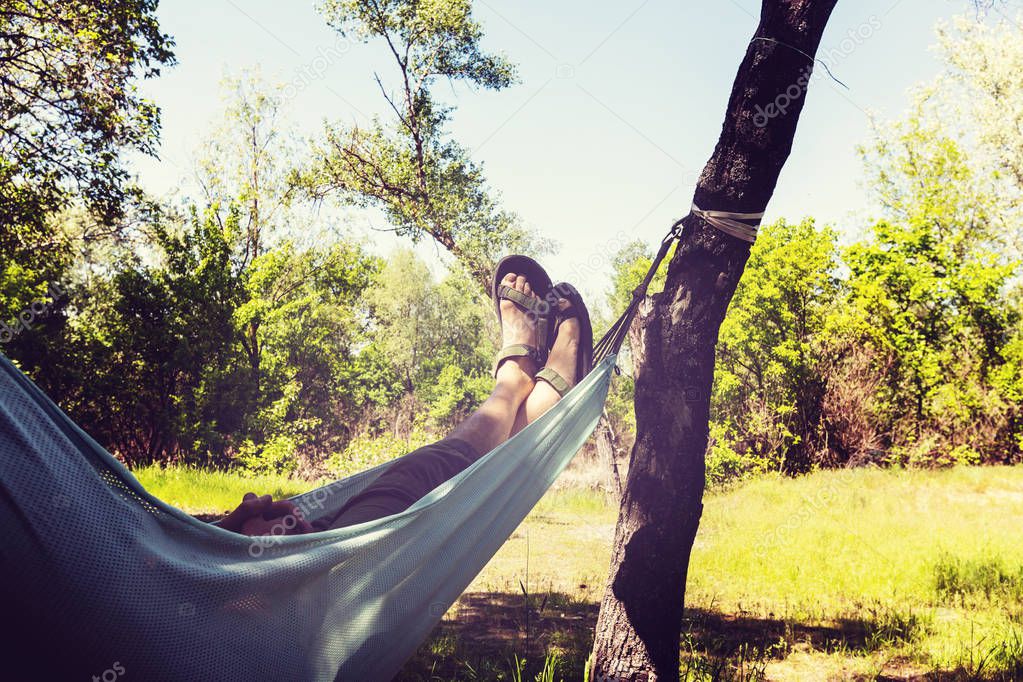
[(640, 620)]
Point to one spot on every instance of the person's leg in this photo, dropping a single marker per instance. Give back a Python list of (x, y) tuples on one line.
[(563, 360), (489, 426), (423, 470)]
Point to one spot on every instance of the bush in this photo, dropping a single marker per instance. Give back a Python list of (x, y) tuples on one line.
[(455, 393), (277, 456), (365, 452), (724, 464)]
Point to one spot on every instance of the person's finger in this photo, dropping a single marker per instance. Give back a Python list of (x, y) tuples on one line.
[(280, 508), (276, 526), (281, 525), (233, 521), (257, 526), (287, 507), (249, 507), (291, 517), (258, 505), (253, 503), (284, 506)]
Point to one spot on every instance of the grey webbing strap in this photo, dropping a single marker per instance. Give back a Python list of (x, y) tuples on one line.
[(730, 224)]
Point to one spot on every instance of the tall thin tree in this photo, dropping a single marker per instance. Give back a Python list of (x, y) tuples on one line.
[(640, 620)]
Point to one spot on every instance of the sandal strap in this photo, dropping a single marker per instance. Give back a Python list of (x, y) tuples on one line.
[(530, 303), (518, 350), (557, 382), (567, 313), (541, 311)]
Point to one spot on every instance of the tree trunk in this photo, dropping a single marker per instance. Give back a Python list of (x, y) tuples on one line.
[(639, 626)]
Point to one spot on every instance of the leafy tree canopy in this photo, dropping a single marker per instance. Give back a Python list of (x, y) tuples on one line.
[(423, 181), (69, 106)]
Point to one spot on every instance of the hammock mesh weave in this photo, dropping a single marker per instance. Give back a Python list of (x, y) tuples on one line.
[(129, 579)]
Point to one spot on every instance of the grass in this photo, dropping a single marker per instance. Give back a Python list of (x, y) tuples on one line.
[(838, 575), (206, 493), (861, 574)]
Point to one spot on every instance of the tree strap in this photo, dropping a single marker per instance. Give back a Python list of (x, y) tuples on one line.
[(733, 224)]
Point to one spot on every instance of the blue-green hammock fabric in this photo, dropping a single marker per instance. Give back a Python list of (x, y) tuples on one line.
[(132, 580)]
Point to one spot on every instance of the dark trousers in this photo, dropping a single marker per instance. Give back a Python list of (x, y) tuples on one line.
[(406, 481)]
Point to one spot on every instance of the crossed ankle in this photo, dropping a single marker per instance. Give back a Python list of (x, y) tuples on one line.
[(517, 374)]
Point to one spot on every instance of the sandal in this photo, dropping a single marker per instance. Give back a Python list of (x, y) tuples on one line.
[(537, 305), (584, 360)]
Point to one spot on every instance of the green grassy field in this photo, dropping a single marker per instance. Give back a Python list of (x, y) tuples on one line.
[(208, 493), (860, 574)]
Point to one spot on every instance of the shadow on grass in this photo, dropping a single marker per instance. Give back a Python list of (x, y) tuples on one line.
[(481, 638)]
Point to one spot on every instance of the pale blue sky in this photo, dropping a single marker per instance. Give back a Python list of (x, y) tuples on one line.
[(618, 107)]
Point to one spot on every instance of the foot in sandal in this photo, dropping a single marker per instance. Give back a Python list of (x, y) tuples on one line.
[(521, 289), (571, 355), (561, 366), (518, 325)]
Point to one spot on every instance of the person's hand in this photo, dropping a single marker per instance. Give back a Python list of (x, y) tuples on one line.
[(250, 507), (279, 518), (262, 516)]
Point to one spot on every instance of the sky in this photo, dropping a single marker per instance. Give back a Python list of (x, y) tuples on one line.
[(617, 108)]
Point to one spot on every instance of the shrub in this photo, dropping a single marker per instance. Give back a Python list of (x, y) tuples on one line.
[(366, 451), (724, 464), (276, 456)]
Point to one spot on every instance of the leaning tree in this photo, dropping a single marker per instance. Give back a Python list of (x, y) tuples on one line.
[(640, 620)]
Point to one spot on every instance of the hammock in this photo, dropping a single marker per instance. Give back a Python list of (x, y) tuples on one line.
[(132, 580), (133, 586)]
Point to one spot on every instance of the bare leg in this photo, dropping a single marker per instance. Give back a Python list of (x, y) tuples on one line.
[(486, 428), (563, 360), (491, 424)]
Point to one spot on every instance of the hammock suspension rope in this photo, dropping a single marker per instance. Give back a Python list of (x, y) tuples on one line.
[(739, 225)]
